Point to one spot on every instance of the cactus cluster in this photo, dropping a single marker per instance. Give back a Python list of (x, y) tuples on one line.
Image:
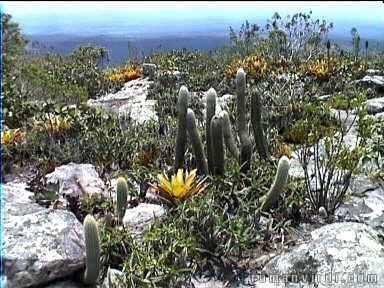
[(92, 250), (219, 132)]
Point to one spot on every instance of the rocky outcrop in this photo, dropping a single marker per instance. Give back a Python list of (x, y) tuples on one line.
[(75, 180), (39, 244), (338, 255), (130, 102)]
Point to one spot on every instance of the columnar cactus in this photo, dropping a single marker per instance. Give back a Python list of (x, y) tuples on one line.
[(278, 185), (240, 90), (92, 249), (217, 145), (229, 139), (261, 141), (245, 142), (181, 140), (211, 109), (197, 145), (121, 197)]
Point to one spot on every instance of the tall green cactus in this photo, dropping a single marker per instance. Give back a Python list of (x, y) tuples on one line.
[(181, 140), (121, 197), (217, 145), (278, 185), (211, 110), (245, 142), (261, 141), (92, 249), (240, 91), (229, 139), (197, 145)]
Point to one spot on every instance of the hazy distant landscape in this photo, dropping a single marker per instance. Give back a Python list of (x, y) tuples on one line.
[(196, 27), (119, 51)]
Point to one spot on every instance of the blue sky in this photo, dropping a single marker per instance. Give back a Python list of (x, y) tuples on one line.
[(97, 17)]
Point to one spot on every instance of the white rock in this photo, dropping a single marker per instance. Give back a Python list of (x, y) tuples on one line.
[(344, 249), (139, 217), (39, 244), (75, 180), (130, 102), (375, 105)]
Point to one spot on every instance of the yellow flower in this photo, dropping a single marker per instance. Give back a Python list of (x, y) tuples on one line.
[(178, 188), (12, 135)]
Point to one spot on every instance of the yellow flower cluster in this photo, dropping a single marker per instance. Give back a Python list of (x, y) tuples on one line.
[(323, 68), (124, 76), (253, 65), (178, 188), (55, 125), (12, 135)]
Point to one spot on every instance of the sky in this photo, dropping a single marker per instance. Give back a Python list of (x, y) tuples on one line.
[(97, 17)]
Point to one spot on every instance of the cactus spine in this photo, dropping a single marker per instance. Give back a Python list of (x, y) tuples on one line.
[(245, 142), (92, 249), (229, 139), (261, 142), (217, 145), (211, 110), (181, 140), (197, 145), (278, 185), (121, 197)]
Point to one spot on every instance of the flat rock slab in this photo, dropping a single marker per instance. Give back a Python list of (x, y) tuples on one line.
[(137, 218), (338, 255), (75, 180), (131, 101), (40, 244)]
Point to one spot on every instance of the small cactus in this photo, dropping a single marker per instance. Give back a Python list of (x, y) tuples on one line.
[(245, 152), (261, 141), (211, 109), (181, 140), (92, 249), (228, 136), (322, 212), (201, 161), (121, 197), (217, 145), (274, 192)]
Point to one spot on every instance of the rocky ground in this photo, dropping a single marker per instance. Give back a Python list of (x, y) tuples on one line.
[(42, 245)]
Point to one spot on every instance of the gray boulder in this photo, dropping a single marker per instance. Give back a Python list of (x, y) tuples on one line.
[(338, 255), (75, 180), (40, 244)]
